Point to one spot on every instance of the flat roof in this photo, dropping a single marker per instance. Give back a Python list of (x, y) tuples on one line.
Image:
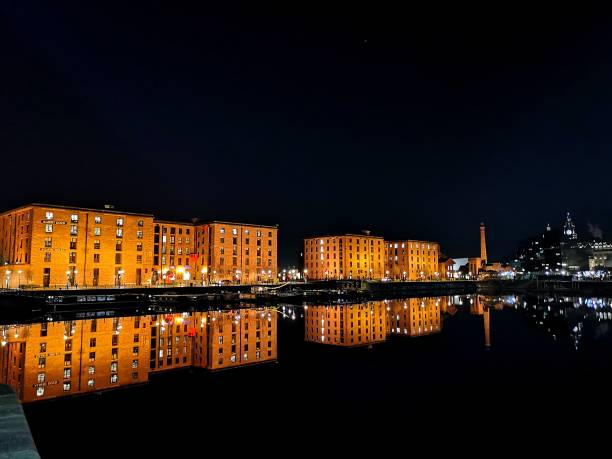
[(238, 224), (411, 240), (343, 235), (174, 222), (88, 209)]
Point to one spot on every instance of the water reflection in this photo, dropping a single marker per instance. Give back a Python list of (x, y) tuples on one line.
[(54, 359), (59, 358)]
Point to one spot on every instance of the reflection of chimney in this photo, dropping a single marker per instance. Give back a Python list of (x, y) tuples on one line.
[(487, 327), (483, 244)]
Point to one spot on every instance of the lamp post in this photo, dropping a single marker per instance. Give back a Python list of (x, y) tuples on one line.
[(404, 276), (119, 276), (8, 278), (74, 278), (67, 279), (204, 271), (305, 275)]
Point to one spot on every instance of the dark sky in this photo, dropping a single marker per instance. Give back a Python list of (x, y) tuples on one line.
[(413, 124)]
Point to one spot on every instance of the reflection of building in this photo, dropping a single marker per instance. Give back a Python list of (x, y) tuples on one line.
[(174, 253), (346, 325), (55, 359), (229, 339), (62, 358), (45, 245), (236, 252), (412, 260), (349, 256), (414, 316), (171, 341)]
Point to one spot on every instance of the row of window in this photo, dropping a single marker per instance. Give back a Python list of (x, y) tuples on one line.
[(246, 232), (74, 218), (97, 231), (72, 258)]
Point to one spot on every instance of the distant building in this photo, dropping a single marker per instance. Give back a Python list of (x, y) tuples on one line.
[(347, 256), (446, 268), (563, 251), (412, 260)]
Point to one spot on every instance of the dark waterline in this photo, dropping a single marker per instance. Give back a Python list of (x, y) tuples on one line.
[(542, 356)]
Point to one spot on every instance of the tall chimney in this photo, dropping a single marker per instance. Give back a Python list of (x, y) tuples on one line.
[(483, 244)]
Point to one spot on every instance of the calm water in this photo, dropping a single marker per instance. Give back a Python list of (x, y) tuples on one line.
[(118, 384)]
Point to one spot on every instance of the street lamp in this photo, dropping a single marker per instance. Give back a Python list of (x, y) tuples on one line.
[(404, 275), (238, 272), (68, 279), (8, 278), (19, 273), (204, 271), (305, 275), (119, 276)]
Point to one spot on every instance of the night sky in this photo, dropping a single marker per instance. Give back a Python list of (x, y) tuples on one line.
[(413, 124)]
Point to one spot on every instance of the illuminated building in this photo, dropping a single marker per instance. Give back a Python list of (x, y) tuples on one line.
[(58, 247), (237, 253), (446, 268), (349, 256), (55, 359), (412, 260), (226, 339), (346, 325), (174, 253), (55, 246), (414, 316)]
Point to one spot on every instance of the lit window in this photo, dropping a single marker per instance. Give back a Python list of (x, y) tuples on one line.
[(113, 379), (40, 391), (90, 382), (49, 215), (98, 219), (96, 231), (48, 228), (120, 222), (67, 386), (74, 218)]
